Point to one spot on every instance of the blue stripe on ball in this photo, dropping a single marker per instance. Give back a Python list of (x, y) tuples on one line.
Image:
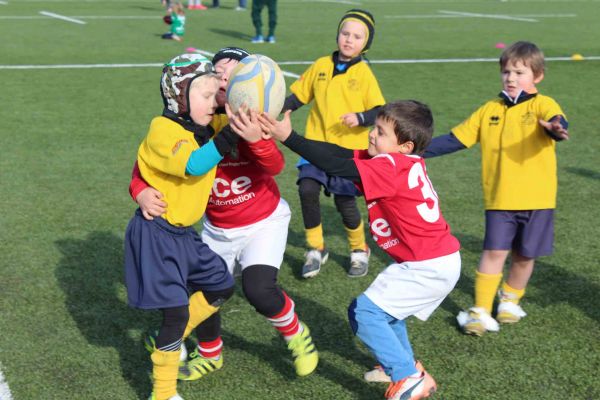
[(255, 71)]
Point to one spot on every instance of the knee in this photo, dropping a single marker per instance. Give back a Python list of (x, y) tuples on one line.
[(217, 298), (309, 189), (260, 288), (346, 206), (173, 325), (177, 316)]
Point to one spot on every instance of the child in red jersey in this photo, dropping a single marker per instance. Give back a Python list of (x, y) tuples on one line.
[(406, 222), (246, 224)]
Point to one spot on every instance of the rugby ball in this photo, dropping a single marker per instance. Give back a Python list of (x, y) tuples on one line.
[(257, 82)]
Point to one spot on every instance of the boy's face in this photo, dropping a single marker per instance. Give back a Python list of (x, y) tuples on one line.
[(382, 139), (224, 68), (203, 99), (517, 76), (351, 39)]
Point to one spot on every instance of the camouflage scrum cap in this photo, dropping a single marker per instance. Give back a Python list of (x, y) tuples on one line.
[(177, 76)]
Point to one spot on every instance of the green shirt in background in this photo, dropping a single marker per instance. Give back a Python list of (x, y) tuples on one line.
[(177, 24)]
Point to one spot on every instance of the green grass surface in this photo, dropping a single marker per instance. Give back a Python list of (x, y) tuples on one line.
[(68, 138)]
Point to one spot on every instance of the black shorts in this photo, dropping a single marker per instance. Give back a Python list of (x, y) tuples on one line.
[(162, 259), (332, 184), (530, 233)]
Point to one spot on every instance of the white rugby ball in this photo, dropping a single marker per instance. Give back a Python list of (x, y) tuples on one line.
[(258, 83)]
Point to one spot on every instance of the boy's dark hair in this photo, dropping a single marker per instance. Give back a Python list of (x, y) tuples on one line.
[(526, 52), (412, 121)]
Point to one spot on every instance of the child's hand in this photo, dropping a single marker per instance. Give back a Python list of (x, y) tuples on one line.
[(280, 130), (350, 120), (151, 203), (555, 128), (247, 127)]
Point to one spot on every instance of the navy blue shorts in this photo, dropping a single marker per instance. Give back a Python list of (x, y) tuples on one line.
[(332, 184), (162, 259), (530, 233)]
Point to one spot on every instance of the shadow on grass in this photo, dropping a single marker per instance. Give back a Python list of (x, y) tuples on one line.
[(553, 283), (233, 34), (90, 273), (334, 236), (331, 334), (586, 173)]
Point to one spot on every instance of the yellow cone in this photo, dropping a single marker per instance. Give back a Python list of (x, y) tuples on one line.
[(576, 57)]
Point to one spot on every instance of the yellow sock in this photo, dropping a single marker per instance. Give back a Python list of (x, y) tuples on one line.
[(200, 310), (164, 371), (314, 237), (513, 295), (486, 286), (356, 237)]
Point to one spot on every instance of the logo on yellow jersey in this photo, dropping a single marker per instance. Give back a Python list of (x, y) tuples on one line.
[(494, 120), (177, 146), (353, 85), (528, 118)]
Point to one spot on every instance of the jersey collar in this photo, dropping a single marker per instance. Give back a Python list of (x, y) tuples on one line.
[(341, 67), (202, 134), (520, 98)]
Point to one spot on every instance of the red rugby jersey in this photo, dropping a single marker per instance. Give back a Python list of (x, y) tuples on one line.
[(404, 214), (244, 191)]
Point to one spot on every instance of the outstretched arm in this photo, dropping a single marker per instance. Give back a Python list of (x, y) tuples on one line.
[(291, 103), (266, 154), (444, 144), (333, 159)]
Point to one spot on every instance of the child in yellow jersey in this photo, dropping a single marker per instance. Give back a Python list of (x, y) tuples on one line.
[(346, 98), (518, 134), (167, 266)]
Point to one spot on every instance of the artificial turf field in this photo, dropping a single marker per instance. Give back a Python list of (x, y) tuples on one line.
[(69, 136)]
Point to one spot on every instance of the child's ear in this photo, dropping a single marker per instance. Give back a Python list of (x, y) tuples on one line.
[(407, 147), (538, 78)]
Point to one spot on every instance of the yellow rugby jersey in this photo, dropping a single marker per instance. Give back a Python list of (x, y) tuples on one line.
[(162, 158), (518, 159), (356, 91), (219, 121)]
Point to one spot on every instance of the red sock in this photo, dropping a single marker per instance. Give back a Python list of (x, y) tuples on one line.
[(211, 349), (286, 320)]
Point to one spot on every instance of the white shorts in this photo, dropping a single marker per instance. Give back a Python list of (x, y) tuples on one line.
[(260, 243), (415, 287)]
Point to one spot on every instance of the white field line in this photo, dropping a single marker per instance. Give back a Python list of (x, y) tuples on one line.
[(58, 16), (354, 3), (492, 16), (82, 17), (209, 54), (434, 16), (290, 74), (4, 389), (3, 3), (80, 66)]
